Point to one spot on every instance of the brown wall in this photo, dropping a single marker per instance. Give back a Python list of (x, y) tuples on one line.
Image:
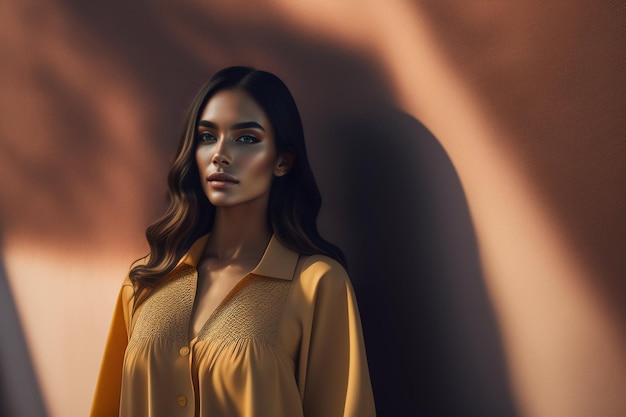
[(470, 155)]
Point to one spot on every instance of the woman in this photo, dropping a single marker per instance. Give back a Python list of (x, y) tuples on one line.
[(241, 308)]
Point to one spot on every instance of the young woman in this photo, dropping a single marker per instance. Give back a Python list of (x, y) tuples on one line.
[(241, 307)]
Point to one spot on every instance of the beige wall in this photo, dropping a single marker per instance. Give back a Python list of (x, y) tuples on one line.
[(525, 98)]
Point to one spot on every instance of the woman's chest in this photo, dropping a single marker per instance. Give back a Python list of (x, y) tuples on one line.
[(213, 288), (251, 308)]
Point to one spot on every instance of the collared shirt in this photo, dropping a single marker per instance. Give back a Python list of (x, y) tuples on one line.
[(285, 342)]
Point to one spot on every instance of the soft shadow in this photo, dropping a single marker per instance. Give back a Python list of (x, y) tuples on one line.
[(19, 390), (432, 340)]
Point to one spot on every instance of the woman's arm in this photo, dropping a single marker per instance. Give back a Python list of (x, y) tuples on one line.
[(336, 380), (106, 401)]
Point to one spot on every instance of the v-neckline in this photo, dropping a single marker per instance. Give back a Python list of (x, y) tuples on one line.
[(229, 295)]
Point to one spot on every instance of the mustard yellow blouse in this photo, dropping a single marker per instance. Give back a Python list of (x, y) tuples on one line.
[(285, 342)]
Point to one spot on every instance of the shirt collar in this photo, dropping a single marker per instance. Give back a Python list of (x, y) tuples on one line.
[(278, 261)]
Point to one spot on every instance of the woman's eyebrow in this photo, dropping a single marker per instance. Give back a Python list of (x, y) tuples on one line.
[(206, 123), (247, 125), (236, 126)]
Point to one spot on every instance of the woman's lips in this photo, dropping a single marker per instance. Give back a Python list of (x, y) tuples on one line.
[(221, 180)]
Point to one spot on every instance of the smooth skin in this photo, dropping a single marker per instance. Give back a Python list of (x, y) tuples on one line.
[(235, 140)]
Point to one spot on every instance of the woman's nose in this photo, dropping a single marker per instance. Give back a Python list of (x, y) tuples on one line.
[(220, 156)]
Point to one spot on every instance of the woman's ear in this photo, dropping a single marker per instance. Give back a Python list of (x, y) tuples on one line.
[(284, 163)]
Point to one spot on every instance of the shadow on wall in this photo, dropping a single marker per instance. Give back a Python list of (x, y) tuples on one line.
[(19, 392), (432, 342), (392, 198)]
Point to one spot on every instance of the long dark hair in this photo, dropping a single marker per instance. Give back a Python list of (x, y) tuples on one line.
[(294, 201)]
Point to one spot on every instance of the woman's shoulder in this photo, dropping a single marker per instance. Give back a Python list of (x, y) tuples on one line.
[(138, 262), (321, 283), (317, 269), (322, 262), (127, 290), (127, 282)]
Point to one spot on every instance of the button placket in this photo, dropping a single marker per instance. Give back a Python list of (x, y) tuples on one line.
[(186, 395), (190, 360)]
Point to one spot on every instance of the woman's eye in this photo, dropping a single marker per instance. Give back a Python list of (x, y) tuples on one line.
[(206, 137), (246, 139)]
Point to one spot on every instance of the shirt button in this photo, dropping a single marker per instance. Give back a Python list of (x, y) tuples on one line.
[(184, 351), (182, 401)]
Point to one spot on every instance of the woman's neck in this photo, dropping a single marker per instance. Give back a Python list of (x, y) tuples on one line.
[(238, 232)]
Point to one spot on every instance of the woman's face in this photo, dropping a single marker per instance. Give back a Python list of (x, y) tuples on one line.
[(236, 153)]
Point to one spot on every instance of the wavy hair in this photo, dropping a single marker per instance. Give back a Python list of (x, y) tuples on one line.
[(294, 201)]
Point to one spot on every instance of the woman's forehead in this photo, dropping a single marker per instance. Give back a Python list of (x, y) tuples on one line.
[(227, 107)]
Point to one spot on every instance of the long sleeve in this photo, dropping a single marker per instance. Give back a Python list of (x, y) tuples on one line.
[(107, 394), (333, 361)]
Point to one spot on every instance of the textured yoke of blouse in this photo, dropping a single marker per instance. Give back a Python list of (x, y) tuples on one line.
[(285, 342)]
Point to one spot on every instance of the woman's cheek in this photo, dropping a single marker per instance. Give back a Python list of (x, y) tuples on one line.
[(258, 163), (203, 157)]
